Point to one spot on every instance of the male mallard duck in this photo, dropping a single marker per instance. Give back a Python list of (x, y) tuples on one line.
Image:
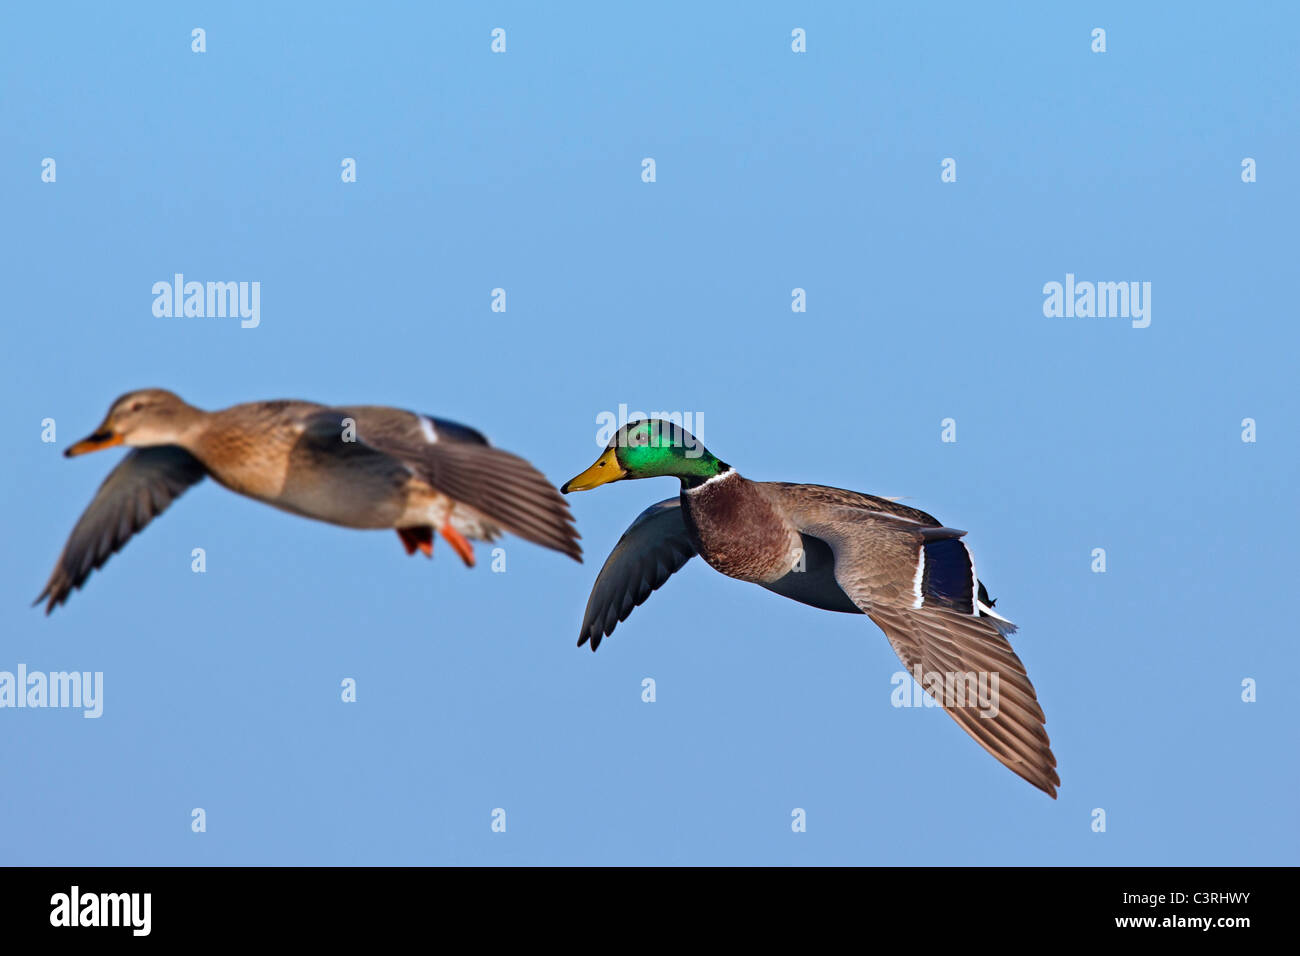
[(832, 549), (361, 466)]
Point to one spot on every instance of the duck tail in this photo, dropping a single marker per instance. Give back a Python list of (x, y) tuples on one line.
[(984, 604)]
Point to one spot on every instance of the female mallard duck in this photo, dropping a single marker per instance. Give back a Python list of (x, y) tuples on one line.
[(833, 549), (361, 466)]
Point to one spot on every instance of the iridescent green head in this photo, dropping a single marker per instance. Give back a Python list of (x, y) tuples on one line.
[(650, 448)]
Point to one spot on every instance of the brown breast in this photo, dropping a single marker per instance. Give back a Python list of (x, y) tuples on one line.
[(738, 531), (248, 453)]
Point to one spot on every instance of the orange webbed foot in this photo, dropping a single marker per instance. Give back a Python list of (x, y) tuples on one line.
[(458, 543), (414, 539)]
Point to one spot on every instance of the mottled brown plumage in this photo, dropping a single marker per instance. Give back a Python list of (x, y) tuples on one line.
[(365, 466)]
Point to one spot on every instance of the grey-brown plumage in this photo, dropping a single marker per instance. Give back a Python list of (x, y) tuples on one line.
[(139, 489), (843, 551), (364, 466)]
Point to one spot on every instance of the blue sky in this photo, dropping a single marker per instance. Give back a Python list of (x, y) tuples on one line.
[(774, 171)]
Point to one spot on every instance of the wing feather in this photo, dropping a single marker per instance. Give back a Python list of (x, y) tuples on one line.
[(874, 552), (651, 550), (500, 486), (140, 488)]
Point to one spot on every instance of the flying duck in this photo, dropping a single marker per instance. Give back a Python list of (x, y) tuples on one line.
[(360, 466), (832, 549)]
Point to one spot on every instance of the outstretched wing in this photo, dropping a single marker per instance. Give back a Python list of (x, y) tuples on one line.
[(918, 584), (654, 546), (458, 462), (139, 489)]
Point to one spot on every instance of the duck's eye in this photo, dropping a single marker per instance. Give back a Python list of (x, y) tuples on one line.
[(136, 406)]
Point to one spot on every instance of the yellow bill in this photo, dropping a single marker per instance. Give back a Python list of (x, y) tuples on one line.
[(605, 470)]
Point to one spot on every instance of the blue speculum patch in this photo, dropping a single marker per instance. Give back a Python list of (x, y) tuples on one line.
[(947, 579)]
